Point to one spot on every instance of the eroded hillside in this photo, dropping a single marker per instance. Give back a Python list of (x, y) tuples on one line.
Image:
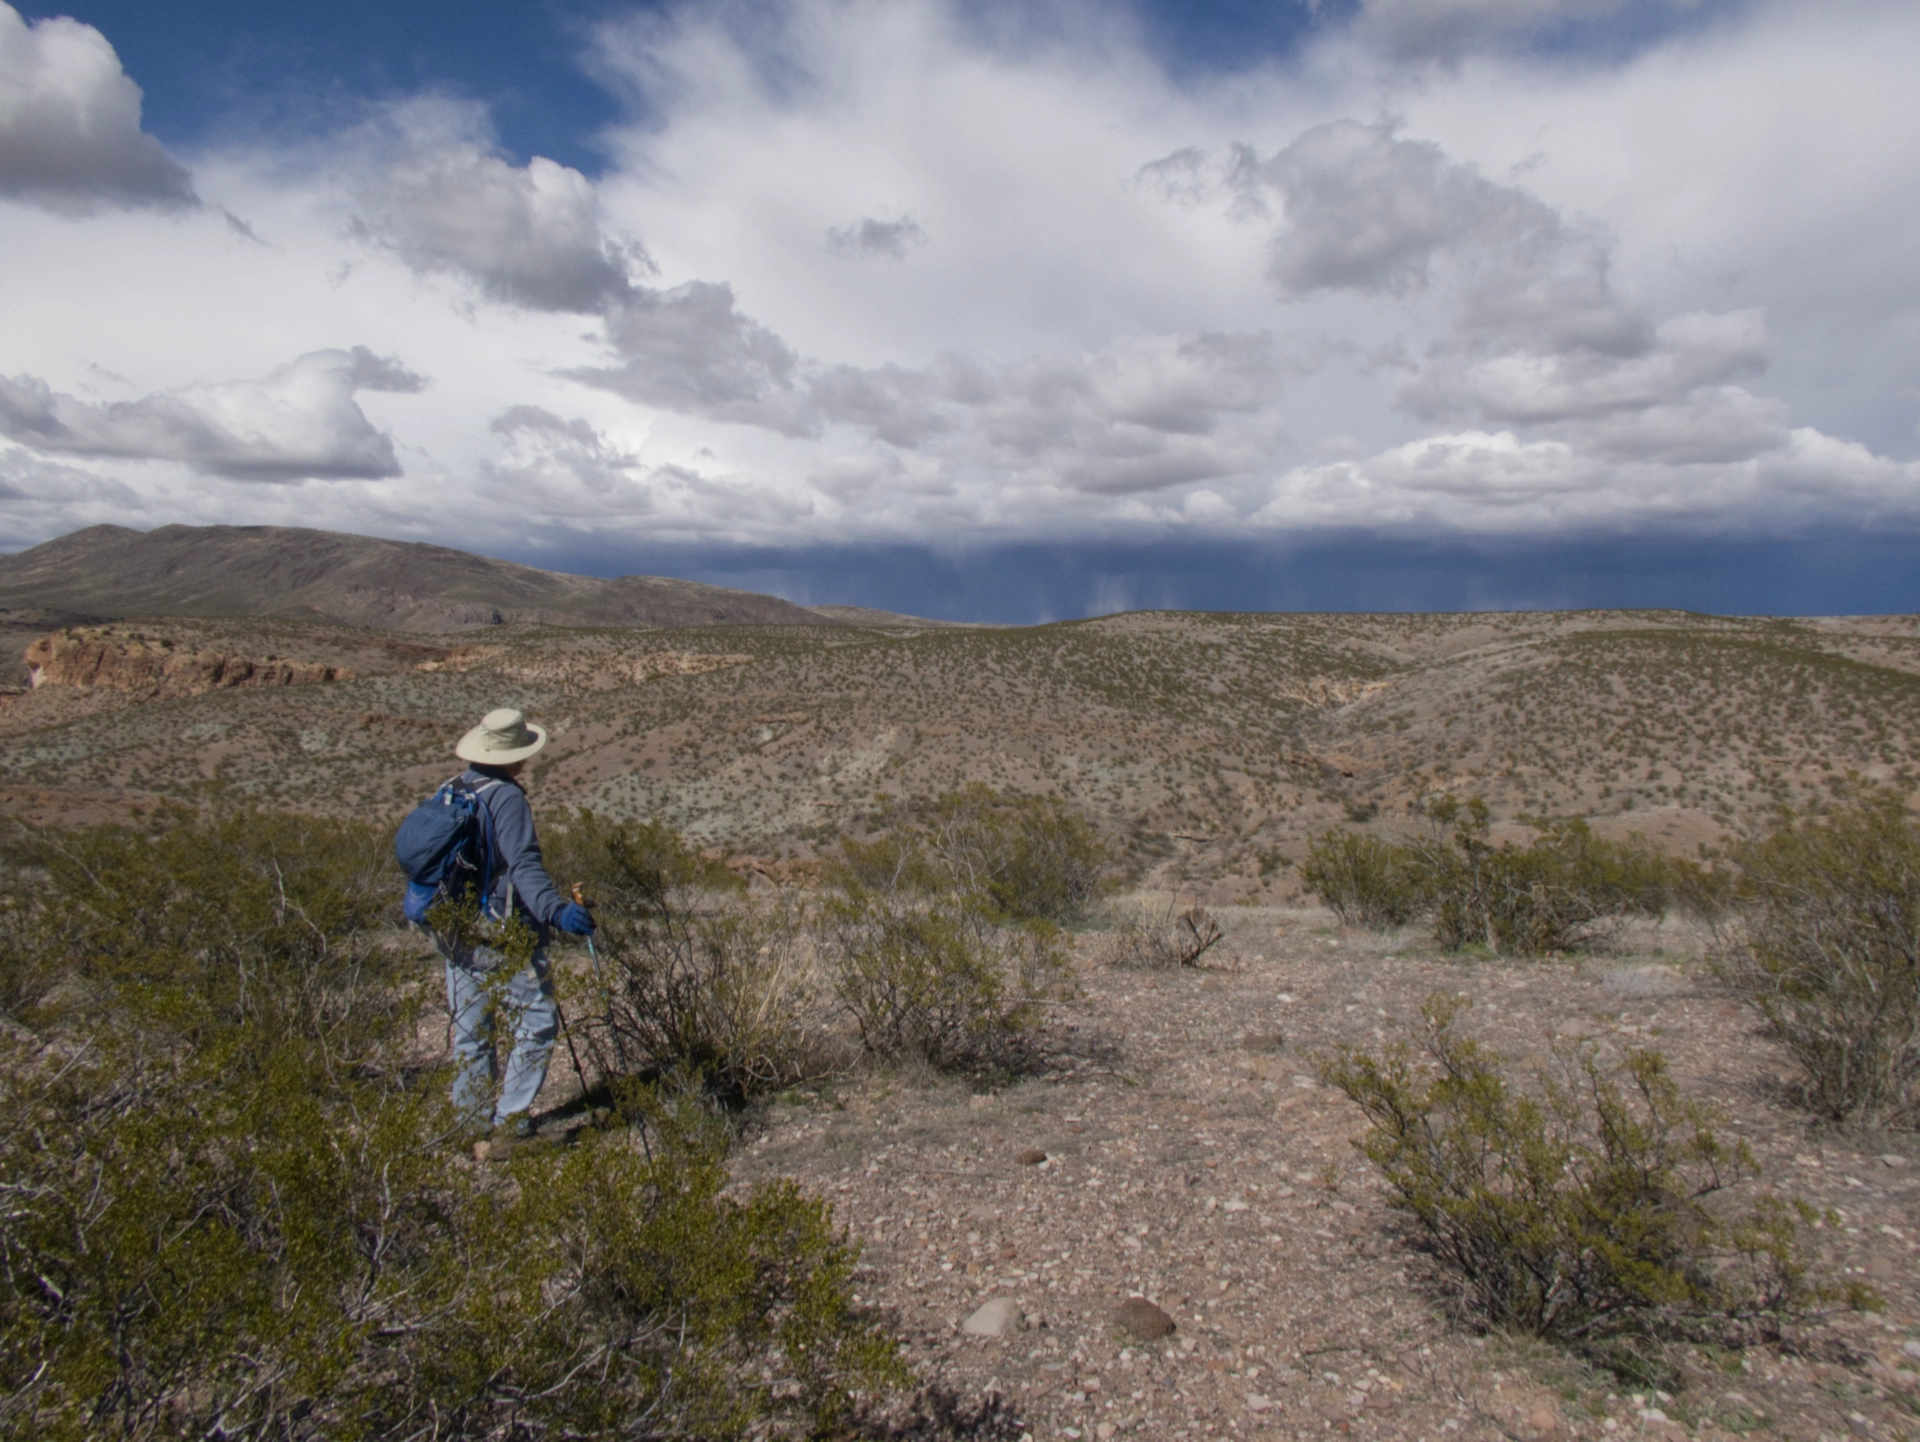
[(1214, 744)]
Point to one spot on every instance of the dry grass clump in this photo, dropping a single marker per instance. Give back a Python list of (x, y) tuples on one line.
[(1825, 945), (1591, 1207), (686, 978), (932, 963), (1165, 941)]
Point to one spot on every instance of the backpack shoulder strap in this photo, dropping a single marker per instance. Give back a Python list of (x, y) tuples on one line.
[(489, 842)]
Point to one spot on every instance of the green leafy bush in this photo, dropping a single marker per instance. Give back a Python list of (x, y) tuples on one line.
[(1366, 881), (234, 1206), (1578, 1209), (1016, 858), (1826, 946), (1566, 889), (626, 1295)]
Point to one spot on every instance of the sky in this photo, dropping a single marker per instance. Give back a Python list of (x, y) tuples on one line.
[(988, 310)]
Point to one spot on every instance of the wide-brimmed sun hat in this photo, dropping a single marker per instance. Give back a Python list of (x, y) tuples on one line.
[(502, 737)]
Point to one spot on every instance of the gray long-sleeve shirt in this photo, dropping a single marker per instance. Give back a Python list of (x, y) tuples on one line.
[(517, 855)]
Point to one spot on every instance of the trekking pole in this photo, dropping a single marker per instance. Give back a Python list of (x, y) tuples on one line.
[(565, 1030), (579, 1072), (580, 899)]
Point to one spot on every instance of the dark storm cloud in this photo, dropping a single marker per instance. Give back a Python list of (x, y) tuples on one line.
[(1827, 571)]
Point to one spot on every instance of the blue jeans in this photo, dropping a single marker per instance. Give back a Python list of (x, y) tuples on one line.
[(526, 1003)]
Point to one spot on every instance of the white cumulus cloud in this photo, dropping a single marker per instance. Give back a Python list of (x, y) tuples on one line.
[(298, 423), (872, 270), (70, 137)]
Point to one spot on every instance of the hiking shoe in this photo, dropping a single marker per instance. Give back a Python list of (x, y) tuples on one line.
[(518, 1135)]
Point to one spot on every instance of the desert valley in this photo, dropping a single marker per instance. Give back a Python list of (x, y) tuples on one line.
[(1174, 1135)]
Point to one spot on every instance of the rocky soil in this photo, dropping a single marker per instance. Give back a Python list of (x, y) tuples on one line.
[(1191, 1159)]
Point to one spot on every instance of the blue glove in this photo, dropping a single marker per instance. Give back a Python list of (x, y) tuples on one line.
[(574, 919)]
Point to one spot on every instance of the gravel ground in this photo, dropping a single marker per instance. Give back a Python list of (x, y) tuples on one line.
[(1192, 1159)]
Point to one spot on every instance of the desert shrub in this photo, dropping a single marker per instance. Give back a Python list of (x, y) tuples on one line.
[(1018, 858), (1165, 941), (234, 1206), (683, 978), (731, 995), (633, 868), (1566, 889), (631, 1297), (1366, 881), (1577, 1209), (938, 981), (1826, 946)]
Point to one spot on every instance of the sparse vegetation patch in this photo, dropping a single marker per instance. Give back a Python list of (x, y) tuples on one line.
[(236, 1205), (1825, 945), (1565, 889), (1595, 1204)]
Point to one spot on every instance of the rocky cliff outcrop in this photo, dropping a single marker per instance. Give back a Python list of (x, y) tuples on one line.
[(99, 657)]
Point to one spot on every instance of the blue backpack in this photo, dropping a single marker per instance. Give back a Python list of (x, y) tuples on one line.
[(446, 847)]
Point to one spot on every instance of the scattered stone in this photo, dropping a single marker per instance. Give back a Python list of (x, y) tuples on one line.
[(999, 1317), (1143, 1319), (1912, 1349), (1105, 1431), (1031, 1157), (1257, 1403), (1892, 1159)]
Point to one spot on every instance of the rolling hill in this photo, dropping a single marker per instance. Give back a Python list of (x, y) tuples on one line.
[(289, 572)]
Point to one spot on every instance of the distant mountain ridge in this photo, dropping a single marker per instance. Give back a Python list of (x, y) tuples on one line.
[(289, 571)]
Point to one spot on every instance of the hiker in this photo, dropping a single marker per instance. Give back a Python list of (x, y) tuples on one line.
[(496, 751)]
